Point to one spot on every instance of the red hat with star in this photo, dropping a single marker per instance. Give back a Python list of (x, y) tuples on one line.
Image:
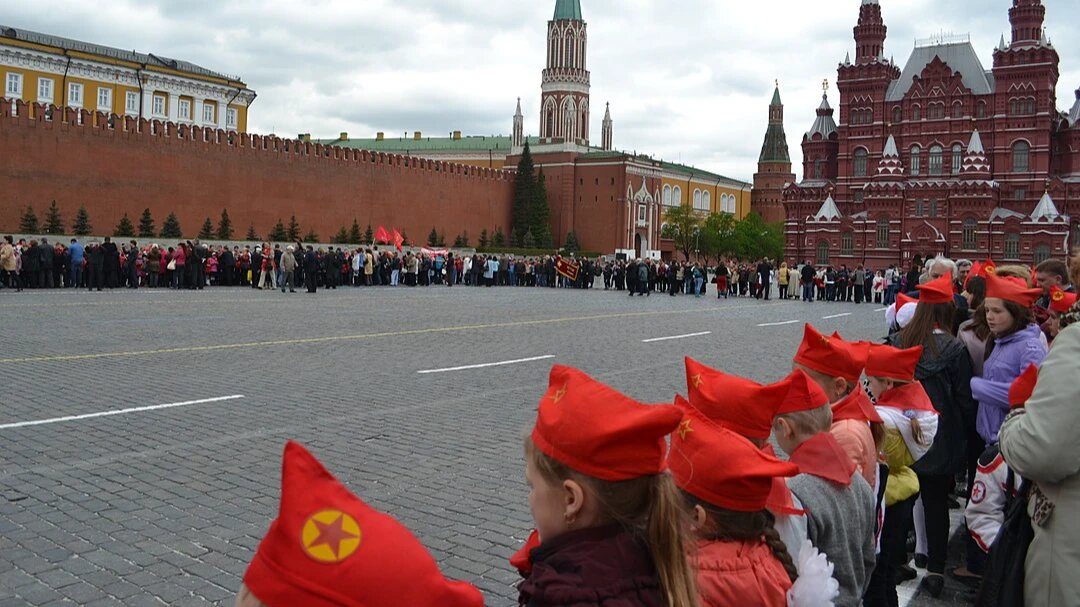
[(937, 291), (804, 394), (903, 300), (1023, 386), (893, 363), (830, 355), (327, 548), (1010, 288), (742, 483), (742, 405), (598, 431), (1060, 301), (980, 269)]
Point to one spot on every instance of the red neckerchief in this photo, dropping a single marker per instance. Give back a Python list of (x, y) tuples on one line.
[(823, 457), (779, 500), (855, 406), (522, 559), (907, 397)]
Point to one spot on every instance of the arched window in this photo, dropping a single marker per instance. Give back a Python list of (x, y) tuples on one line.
[(819, 168), (980, 110), (676, 196), (667, 196), (970, 226), (958, 110), (860, 162), (847, 244), (916, 160), (697, 199), (897, 115), (1021, 157), (550, 122), (936, 159), (823, 252), (883, 233), (957, 158), (916, 112), (1042, 253), (1012, 246), (920, 207), (706, 201)]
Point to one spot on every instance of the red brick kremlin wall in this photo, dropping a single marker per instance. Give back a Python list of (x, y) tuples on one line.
[(78, 158)]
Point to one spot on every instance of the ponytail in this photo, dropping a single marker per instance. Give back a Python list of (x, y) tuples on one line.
[(666, 532)]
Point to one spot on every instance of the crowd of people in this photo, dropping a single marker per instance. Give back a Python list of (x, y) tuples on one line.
[(631, 508)]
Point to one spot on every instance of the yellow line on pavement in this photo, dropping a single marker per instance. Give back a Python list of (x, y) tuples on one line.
[(336, 338)]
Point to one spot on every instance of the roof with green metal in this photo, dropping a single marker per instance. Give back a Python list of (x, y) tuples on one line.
[(568, 10), (669, 166), (429, 144), (776, 97)]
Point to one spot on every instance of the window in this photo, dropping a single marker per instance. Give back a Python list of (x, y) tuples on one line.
[(920, 208), (957, 158), (14, 85), (45, 90), (1020, 194), (958, 110), (916, 160), (208, 113), (131, 102), (185, 109), (936, 160), (697, 199), (159, 105), (667, 196), (933, 208), (230, 118), (970, 225), (1042, 253), (916, 112), (897, 114), (980, 110), (641, 214), (858, 196), (1012, 245), (860, 162), (883, 233), (75, 94), (935, 111), (1021, 153), (823, 253), (847, 244), (676, 196), (706, 201), (104, 99), (819, 168)]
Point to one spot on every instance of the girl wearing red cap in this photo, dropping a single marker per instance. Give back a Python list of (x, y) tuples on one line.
[(608, 515)]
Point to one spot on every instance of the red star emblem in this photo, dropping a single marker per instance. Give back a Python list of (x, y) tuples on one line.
[(697, 381), (684, 429), (330, 536)]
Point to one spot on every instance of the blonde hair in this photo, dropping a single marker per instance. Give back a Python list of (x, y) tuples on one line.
[(811, 422), (650, 507), (1015, 271), (916, 426)]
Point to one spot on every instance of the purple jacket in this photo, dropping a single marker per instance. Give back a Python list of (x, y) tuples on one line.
[(1012, 354)]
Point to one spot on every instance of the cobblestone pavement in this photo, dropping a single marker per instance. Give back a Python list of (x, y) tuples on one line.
[(165, 506)]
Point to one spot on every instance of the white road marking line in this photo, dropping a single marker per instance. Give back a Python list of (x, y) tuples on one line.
[(836, 316), (881, 309), (779, 324), (71, 418), (481, 366), (649, 341)]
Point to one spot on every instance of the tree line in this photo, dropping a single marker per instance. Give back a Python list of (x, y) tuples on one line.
[(721, 235)]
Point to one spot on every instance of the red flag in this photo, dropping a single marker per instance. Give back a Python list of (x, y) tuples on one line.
[(381, 235), (567, 268), (398, 240)]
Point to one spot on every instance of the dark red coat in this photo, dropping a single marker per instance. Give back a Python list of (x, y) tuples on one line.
[(597, 567)]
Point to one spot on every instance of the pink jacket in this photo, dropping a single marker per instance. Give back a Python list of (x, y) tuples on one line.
[(858, 442), (739, 573)]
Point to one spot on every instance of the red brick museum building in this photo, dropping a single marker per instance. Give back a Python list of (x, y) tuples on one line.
[(942, 156)]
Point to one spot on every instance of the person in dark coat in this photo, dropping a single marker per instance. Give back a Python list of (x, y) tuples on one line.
[(45, 265), (311, 269), (226, 265), (131, 269), (112, 262), (95, 266)]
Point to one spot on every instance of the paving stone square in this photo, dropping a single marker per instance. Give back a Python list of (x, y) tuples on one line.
[(164, 506)]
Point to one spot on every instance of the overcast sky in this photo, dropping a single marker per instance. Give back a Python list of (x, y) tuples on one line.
[(688, 80)]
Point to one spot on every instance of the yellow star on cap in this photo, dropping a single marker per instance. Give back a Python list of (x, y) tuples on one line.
[(684, 429), (559, 394), (697, 380)]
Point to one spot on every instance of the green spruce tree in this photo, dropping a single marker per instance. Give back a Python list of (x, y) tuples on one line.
[(28, 224), (484, 238), (571, 245), (225, 229), (528, 241), (82, 226), (342, 236), (369, 234), (498, 238), (524, 195), (540, 212), (251, 233), (171, 227), (146, 225), (125, 227), (433, 238), (294, 229), (54, 224), (355, 237), (278, 234), (442, 240), (312, 236), (207, 230)]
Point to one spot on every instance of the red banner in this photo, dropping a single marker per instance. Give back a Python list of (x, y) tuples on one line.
[(398, 239), (567, 268), (381, 235)]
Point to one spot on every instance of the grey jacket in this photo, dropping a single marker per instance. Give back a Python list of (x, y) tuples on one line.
[(1043, 446), (840, 523)]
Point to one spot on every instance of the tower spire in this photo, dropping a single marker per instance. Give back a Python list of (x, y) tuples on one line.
[(1026, 17), (606, 129), (870, 33), (518, 138), (564, 102)]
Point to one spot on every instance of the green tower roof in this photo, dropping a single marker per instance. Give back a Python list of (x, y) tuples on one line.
[(776, 96), (568, 10)]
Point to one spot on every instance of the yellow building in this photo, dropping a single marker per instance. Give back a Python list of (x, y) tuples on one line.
[(42, 68)]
